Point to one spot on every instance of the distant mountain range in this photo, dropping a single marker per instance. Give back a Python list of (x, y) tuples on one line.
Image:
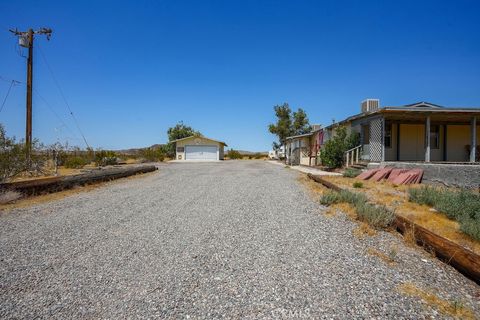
[(248, 153), (137, 150)]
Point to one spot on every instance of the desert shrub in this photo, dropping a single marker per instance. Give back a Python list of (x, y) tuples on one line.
[(152, 154), (75, 162), (330, 198), (105, 158), (351, 172), (454, 204), (462, 205), (352, 197), (258, 155), (425, 195), (458, 204), (471, 227), (234, 154), (14, 157), (333, 151), (358, 184), (376, 216)]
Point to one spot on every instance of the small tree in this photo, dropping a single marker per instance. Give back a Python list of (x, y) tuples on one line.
[(283, 127), (332, 152), (300, 123), (288, 124), (179, 131)]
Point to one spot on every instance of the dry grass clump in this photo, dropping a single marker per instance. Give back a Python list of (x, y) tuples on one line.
[(454, 308), (363, 230), (390, 259)]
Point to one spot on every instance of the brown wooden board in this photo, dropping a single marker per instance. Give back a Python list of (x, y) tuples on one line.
[(324, 182), (39, 186), (464, 260)]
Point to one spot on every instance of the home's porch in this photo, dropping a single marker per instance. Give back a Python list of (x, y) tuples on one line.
[(419, 137)]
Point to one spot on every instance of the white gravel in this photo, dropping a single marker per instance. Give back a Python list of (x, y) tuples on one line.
[(235, 239)]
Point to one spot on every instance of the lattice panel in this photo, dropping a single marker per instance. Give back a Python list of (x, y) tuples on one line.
[(376, 137)]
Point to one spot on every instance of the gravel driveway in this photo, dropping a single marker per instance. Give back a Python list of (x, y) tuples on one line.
[(235, 239)]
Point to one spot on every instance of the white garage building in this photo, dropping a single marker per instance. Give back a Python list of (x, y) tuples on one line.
[(199, 148)]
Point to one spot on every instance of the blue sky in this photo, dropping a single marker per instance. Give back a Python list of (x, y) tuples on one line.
[(130, 70)]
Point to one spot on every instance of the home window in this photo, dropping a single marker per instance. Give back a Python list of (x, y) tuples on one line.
[(388, 135), (434, 137)]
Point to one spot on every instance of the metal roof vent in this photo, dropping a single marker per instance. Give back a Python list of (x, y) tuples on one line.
[(370, 105)]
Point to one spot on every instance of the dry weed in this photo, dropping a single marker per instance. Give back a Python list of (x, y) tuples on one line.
[(451, 308), (389, 259), (363, 230)]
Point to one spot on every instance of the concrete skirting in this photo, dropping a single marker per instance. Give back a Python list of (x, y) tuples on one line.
[(448, 174)]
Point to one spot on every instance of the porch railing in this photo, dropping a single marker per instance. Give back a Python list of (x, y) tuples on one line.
[(352, 156)]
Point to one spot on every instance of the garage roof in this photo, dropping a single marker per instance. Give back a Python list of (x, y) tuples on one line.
[(203, 137)]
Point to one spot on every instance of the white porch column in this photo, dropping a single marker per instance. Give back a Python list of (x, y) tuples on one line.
[(427, 143), (473, 144)]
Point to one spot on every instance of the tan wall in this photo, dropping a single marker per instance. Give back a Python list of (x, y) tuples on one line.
[(198, 141), (458, 136), (412, 142)]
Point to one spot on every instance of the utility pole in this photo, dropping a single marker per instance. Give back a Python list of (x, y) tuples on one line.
[(25, 39)]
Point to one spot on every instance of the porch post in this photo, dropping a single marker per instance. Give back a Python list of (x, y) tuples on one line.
[(398, 141), (427, 143), (383, 139), (473, 144), (445, 142)]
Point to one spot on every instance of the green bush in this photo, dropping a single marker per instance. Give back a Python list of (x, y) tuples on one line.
[(234, 154), (425, 195), (352, 197), (75, 162), (462, 205), (471, 227), (105, 158), (376, 216), (330, 198), (351, 172), (333, 151), (358, 184), (152, 154)]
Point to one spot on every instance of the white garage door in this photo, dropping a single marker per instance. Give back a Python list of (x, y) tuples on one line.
[(201, 153)]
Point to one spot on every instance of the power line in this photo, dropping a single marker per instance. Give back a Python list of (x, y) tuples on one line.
[(63, 96), (50, 107), (55, 113), (12, 83)]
